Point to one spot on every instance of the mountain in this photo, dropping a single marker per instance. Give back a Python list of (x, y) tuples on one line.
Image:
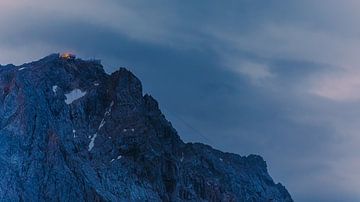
[(71, 132)]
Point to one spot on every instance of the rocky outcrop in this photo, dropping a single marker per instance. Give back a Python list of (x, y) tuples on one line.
[(71, 132)]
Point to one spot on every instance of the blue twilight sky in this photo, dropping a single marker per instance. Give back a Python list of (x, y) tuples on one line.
[(275, 78)]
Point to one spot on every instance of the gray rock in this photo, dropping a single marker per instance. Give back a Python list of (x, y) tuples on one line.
[(108, 143)]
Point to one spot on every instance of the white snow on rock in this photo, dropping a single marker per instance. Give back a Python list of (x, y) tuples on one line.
[(102, 123), (22, 68), (133, 129), (124, 130), (96, 84), (74, 95), (55, 88), (221, 159), (74, 132), (92, 142), (108, 112), (119, 157)]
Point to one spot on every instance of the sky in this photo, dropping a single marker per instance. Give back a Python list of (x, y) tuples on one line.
[(274, 78)]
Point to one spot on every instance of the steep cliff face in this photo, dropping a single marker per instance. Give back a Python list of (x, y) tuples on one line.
[(71, 132)]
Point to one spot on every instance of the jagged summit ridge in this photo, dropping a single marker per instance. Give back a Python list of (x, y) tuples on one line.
[(71, 132)]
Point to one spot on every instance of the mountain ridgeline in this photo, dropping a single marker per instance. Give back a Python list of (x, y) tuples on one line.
[(71, 132)]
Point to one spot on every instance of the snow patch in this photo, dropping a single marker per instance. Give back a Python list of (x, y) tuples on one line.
[(107, 112), (55, 88), (182, 157), (74, 95), (125, 130), (221, 159), (119, 157), (133, 129), (74, 133), (102, 123), (96, 84), (22, 68), (92, 142)]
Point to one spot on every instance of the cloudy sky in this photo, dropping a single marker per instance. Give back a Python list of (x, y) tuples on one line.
[(275, 78)]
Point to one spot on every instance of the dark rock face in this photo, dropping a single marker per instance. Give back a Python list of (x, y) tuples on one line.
[(71, 132)]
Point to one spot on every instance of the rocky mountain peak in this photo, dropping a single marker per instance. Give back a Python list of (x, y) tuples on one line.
[(71, 132)]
